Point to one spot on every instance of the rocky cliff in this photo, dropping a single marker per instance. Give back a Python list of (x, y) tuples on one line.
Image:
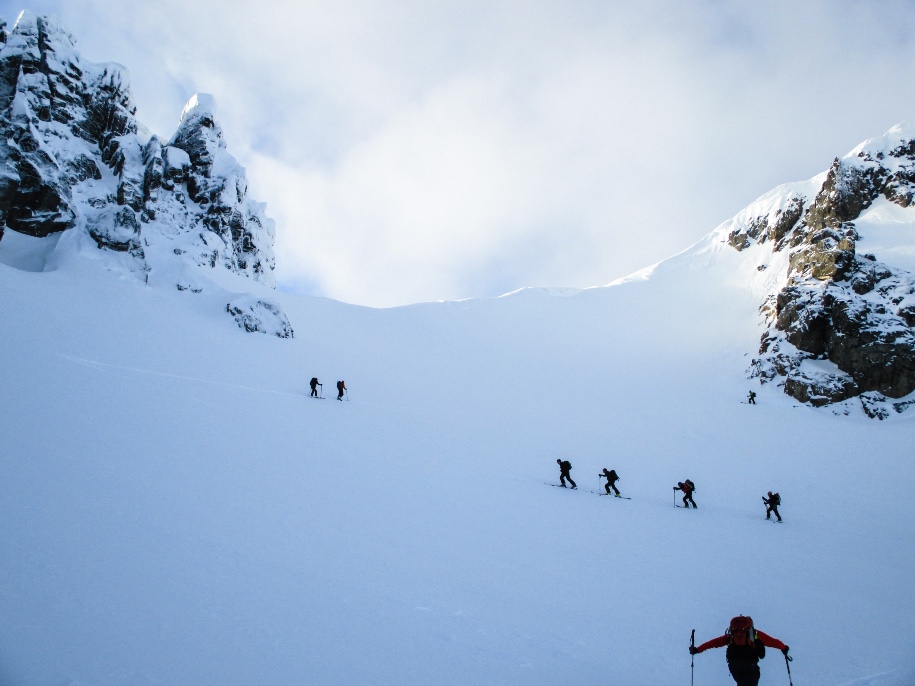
[(74, 157), (839, 324)]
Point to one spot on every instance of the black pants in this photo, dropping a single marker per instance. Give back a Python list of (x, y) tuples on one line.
[(314, 391), (562, 479), (611, 484), (745, 673), (770, 509), (687, 499)]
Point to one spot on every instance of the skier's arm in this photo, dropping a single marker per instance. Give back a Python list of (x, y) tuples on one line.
[(771, 642), (719, 642)]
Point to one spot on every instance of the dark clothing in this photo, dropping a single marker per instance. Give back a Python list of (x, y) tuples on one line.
[(744, 673), (687, 489), (314, 387), (772, 503), (751, 399), (612, 478), (340, 388), (743, 661), (564, 468)]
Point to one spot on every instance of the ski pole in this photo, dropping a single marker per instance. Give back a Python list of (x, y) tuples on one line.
[(788, 665), (692, 657)]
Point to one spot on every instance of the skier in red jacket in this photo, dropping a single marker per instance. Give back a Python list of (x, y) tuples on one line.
[(746, 646), (687, 487)]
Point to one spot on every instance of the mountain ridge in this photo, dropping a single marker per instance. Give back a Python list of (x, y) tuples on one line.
[(838, 321)]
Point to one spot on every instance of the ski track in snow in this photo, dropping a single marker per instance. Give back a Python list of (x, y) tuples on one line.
[(95, 364)]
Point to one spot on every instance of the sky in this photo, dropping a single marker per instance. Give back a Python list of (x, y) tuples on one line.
[(413, 151)]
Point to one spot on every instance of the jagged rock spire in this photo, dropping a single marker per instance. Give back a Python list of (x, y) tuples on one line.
[(74, 156), (841, 324)]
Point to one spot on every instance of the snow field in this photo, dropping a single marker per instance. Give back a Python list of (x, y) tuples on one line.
[(176, 510)]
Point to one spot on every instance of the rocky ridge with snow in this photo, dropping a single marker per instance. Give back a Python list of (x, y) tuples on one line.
[(839, 321), (73, 157)]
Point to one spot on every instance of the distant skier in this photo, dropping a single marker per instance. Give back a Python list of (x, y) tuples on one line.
[(687, 487), (564, 468), (314, 387), (611, 478), (772, 503), (746, 646), (751, 399), (341, 387)]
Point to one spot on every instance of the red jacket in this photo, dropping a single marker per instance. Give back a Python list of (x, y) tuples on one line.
[(722, 641)]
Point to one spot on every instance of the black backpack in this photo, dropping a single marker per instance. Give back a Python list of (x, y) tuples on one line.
[(692, 486), (775, 500), (743, 641), (314, 381)]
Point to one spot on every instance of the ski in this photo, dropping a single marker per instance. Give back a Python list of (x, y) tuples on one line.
[(583, 490), (586, 490)]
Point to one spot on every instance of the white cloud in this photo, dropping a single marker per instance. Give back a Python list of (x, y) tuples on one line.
[(413, 151)]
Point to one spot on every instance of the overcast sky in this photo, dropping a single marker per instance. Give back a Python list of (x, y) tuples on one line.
[(427, 150)]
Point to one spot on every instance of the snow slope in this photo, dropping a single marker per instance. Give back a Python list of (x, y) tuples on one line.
[(174, 509)]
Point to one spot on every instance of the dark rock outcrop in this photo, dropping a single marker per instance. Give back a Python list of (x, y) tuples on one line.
[(262, 316), (764, 229), (117, 230), (73, 156), (841, 326), (55, 120)]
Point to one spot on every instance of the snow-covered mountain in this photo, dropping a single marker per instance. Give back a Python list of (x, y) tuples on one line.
[(840, 310), (175, 509), (74, 157)]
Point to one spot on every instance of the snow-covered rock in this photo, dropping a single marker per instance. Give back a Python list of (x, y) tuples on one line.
[(832, 302), (263, 316), (74, 157)]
